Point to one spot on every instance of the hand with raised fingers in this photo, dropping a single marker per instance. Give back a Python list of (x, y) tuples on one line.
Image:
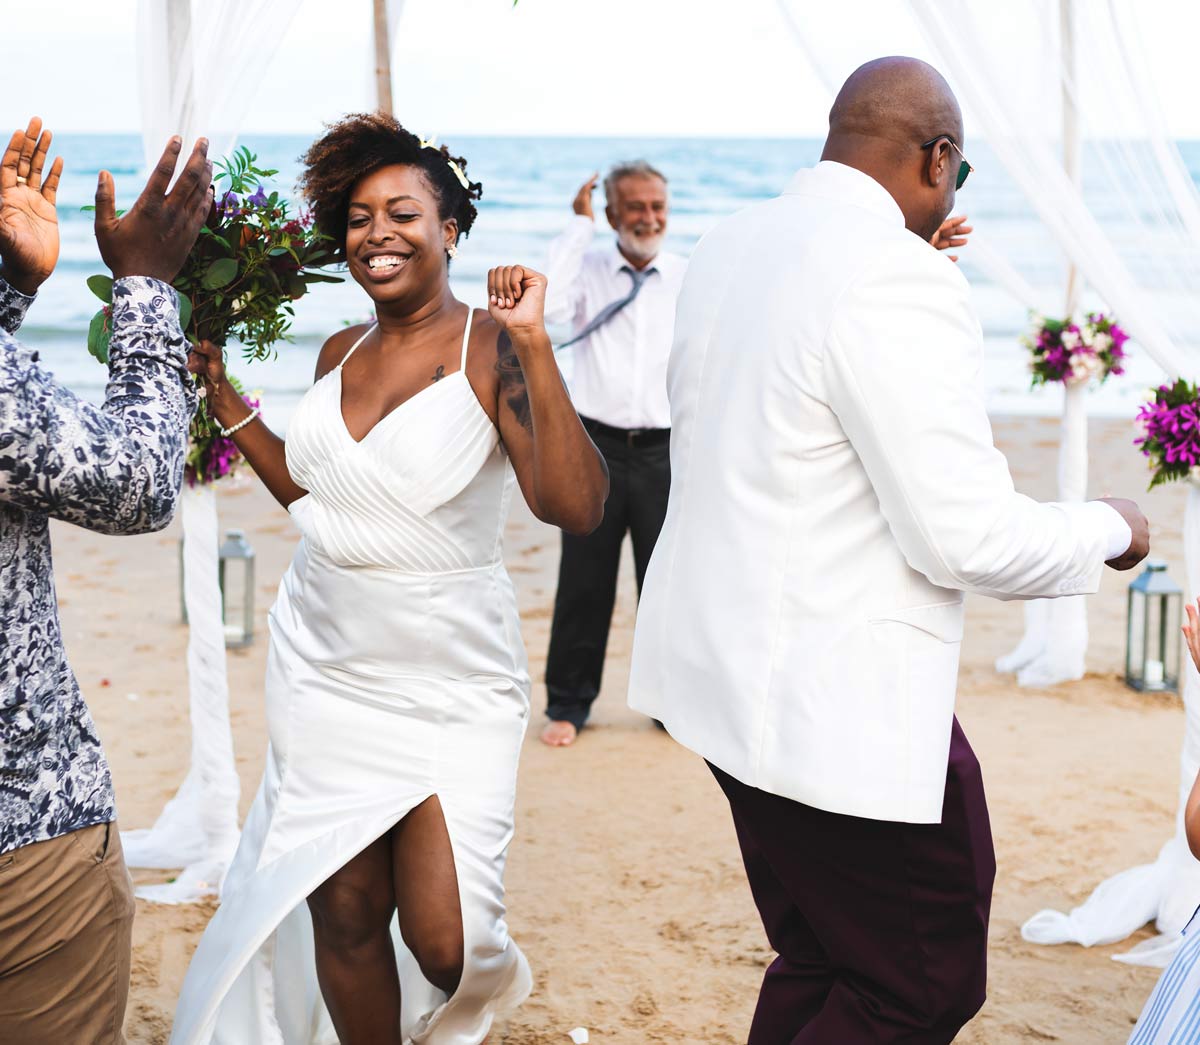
[(517, 298), (582, 204), (154, 237), (28, 217), (952, 233)]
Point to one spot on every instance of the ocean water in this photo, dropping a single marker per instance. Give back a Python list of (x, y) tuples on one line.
[(528, 187)]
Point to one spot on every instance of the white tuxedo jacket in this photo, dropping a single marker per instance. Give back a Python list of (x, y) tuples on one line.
[(835, 490)]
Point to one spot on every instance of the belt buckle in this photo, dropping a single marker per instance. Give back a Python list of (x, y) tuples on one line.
[(632, 435)]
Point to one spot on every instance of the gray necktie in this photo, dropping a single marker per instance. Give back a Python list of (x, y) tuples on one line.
[(612, 308)]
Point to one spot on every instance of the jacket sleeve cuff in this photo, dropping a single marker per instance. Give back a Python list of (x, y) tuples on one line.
[(13, 306), (1119, 535)]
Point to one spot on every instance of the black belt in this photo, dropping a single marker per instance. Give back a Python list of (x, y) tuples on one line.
[(629, 436)]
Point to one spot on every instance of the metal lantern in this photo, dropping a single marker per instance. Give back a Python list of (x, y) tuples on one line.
[(235, 577), (235, 574), (1152, 639)]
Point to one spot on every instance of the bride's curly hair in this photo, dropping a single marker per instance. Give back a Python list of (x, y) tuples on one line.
[(359, 143)]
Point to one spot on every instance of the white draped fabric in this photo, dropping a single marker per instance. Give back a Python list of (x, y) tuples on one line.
[(199, 64), (1130, 227), (198, 828)]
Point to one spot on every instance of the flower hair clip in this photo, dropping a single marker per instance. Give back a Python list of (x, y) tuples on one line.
[(431, 143)]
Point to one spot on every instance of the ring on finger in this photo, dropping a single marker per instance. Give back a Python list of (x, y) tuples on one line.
[(21, 179)]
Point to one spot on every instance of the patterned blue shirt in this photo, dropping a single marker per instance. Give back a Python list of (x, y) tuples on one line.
[(116, 469)]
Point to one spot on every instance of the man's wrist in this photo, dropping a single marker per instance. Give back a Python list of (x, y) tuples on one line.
[(20, 281)]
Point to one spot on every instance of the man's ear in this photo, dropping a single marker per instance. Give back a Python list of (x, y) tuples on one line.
[(610, 212), (939, 162)]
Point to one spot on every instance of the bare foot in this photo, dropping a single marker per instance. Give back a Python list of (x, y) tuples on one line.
[(559, 734)]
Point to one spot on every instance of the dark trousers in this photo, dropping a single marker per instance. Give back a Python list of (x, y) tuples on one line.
[(881, 928), (639, 470)]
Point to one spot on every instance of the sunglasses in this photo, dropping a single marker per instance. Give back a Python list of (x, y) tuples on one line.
[(964, 168)]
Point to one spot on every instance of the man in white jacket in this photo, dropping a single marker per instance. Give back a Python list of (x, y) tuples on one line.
[(835, 490)]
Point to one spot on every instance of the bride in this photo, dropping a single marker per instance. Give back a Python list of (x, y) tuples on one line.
[(397, 690)]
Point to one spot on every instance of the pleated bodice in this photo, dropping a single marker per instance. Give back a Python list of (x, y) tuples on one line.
[(425, 491)]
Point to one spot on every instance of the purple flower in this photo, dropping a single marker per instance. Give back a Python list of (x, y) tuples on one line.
[(259, 199), (228, 205)]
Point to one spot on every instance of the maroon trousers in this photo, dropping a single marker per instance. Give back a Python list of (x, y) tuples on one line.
[(881, 927)]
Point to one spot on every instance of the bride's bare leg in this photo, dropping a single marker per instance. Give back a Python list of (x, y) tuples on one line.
[(356, 962), (426, 894)]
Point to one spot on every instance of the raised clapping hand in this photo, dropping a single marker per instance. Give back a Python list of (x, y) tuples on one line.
[(953, 232), (153, 238), (517, 298), (28, 219), (582, 204)]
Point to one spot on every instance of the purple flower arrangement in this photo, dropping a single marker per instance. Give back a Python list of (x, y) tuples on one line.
[(1064, 351), (1171, 423), (212, 456)]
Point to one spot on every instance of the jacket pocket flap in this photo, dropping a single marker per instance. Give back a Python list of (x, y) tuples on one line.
[(942, 620)]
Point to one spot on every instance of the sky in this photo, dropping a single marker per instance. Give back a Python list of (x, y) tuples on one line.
[(546, 67)]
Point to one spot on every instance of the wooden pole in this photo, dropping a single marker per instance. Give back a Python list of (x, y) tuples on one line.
[(1072, 143), (383, 59)]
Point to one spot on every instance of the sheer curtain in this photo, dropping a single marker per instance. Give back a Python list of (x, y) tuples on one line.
[(199, 65), (1130, 227)]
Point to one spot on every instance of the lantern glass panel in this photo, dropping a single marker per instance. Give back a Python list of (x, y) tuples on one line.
[(1153, 672), (1172, 616), (1155, 610), (1136, 654), (236, 577)]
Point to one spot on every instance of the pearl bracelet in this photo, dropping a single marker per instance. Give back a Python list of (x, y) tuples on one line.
[(227, 432)]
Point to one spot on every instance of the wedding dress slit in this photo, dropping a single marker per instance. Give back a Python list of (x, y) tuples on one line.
[(395, 673)]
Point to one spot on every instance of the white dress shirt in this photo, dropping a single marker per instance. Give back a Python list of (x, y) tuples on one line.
[(618, 372), (834, 490)]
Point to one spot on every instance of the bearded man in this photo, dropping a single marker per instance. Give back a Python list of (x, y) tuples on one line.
[(619, 300)]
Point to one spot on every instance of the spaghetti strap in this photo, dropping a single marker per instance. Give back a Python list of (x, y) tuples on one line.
[(355, 345), (462, 364)]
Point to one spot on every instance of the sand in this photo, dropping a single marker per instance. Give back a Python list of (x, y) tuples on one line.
[(625, 885)]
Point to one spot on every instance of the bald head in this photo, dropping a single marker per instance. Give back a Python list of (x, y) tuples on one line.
[(881, 117), (896, 100)]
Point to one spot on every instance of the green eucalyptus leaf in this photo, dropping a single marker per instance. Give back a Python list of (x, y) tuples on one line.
[(323, 277), (102, 287), (185, 312), (220, 273), (99, 335)]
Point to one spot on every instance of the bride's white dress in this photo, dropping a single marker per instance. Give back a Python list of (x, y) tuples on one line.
[(396, 671)]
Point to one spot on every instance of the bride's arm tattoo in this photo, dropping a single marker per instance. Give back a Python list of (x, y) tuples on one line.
[(512, 381)]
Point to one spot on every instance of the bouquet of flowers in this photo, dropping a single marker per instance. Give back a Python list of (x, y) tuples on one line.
[(1171, 423), (1063, 350), (252, 260)]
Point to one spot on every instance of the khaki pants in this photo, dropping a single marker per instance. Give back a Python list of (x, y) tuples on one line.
[(66, 921)]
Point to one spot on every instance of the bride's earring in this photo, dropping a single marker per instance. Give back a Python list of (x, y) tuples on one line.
[(452, 251)]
